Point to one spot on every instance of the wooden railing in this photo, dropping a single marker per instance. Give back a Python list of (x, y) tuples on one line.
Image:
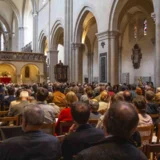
[(22, 56)]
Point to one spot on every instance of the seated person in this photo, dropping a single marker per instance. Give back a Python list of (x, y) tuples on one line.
[(17, 109), (33, 144), (8, 99), (49, 112), (104, 101), (151, 107), (140, 104), (94, 105), (65, 114), (120, 122), (82, 134)]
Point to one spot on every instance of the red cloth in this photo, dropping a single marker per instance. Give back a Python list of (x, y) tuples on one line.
[(5, 80), (65, 115)]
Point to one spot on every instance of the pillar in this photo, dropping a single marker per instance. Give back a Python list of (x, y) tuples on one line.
[(114, 57), (19, 81), (68, 36), (108, 47), (53, 60), (77, 62), (21, 37), (35, 31), (157, 53)]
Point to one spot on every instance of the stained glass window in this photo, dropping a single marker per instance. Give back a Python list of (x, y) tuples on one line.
[(145, 27)]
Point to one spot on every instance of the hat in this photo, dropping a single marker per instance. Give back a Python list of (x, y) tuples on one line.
[(24, 94)]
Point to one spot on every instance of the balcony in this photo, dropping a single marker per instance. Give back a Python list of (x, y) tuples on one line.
[(22, 56)]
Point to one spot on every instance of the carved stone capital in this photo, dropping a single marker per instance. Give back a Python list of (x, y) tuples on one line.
[(53, 51), (107, 34)]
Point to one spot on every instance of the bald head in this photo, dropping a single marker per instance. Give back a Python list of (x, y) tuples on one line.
[(121, 120), (127, 96)]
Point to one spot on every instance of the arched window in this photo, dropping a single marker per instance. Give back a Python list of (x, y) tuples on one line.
[(135, 31), (27, 72)]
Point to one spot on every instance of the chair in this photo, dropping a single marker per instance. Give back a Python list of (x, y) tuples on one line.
[(48, 128), (3, 113), (154, 149), (154, 116), (64, 126), (61, 138), (8, 120), (158, 133), (10, 131), (146, 133), (93, 122)]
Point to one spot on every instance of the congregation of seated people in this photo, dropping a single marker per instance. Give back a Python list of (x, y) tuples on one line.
[(117, 112)]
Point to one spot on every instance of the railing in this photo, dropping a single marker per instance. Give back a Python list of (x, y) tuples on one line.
[(22, 56)]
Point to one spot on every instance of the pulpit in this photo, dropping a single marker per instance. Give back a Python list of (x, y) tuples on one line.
[(61, 72)]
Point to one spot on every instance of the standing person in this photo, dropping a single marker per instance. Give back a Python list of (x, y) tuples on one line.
[(120, 122), (33, 144)]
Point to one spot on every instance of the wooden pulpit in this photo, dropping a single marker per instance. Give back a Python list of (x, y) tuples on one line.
[(61, 72)]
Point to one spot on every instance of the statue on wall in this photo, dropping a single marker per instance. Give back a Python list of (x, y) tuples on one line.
[(136, 56)]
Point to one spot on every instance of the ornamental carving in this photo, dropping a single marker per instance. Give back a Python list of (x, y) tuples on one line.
[(136, 56)]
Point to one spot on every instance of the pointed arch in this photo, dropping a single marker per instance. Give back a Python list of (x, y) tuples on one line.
[(56, 32), (78, 27), (119, 8)]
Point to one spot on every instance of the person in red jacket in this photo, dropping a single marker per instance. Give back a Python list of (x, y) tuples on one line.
[(65, 114)]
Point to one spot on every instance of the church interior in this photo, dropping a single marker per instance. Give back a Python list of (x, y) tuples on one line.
[(80, 71), (95, 40)]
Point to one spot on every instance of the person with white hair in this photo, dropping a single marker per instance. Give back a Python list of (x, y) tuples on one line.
[(17, 109), (33, 144)]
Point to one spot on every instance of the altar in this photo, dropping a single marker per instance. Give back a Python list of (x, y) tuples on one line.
[(5, 80)]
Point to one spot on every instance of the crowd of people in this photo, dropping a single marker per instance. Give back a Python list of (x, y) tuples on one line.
[(119, 110)]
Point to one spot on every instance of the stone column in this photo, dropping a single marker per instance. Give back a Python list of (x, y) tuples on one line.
[(68, 36), (108, 45), (76, 62), (35, 31), (157, 53), (18, 79), (114, 57), (90, 67), (103, 48), (53, 54), (21, 37)]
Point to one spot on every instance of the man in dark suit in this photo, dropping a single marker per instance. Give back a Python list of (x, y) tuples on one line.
[(120, 122), (82, 134), (33, 144)]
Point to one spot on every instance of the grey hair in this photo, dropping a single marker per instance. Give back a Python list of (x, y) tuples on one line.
[(33, 114), (94, 105)]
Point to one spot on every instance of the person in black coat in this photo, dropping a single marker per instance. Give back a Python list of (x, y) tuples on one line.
[(120, 122), (33, 144), (82, 134)]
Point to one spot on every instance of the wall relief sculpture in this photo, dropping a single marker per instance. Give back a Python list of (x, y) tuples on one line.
[(136, 56)]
